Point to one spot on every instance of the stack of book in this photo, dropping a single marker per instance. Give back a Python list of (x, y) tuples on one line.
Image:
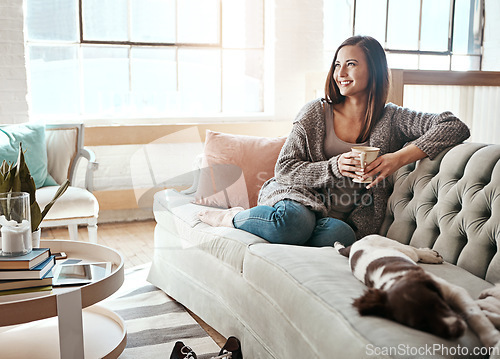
[(31, 272)]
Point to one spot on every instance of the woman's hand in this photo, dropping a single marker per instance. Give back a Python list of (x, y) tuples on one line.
[(382, 167), (348, 164), (387, 164)]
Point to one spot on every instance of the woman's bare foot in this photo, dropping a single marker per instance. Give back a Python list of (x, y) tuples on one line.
[(219, 217)]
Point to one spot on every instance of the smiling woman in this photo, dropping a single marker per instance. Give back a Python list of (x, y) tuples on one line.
[(316, 167), (350, 74), (358, 78)]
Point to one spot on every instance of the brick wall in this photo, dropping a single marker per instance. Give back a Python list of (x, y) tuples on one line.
[(13, 87)]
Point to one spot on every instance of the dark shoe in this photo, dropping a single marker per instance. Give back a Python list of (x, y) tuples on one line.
[(232, 346), (182, 351)]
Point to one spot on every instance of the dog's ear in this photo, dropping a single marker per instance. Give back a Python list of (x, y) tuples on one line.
[(433, 286), (345, 251), (372, 302)]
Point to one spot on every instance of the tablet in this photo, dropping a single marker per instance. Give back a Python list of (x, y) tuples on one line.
[(80, 273)]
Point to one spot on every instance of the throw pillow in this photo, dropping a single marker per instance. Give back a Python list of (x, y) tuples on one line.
[(234, 167), (32, 136)]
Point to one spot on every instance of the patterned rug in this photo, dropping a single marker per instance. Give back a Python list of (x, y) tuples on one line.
[(155, 321)]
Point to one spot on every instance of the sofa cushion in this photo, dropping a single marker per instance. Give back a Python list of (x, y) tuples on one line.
[(451, 204), (234, 167), (32, 136), (74, 203), (176, 213), (314, 288)]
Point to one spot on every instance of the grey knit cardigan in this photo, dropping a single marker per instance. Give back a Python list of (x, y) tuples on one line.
[(304, 174)]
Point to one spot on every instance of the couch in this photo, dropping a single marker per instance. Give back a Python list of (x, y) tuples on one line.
[(290, 302)]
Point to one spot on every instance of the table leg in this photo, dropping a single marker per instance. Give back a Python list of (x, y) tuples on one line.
[(69, 314)]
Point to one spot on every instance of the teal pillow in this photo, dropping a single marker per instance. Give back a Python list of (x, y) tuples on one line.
[(32, 137)]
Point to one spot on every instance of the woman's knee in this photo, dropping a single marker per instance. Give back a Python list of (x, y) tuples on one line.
[(294, 223), (343, 232)]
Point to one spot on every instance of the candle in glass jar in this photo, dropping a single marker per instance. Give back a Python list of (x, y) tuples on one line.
[(16, 239)]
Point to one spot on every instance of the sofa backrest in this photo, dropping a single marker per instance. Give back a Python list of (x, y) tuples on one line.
[(451, 204)]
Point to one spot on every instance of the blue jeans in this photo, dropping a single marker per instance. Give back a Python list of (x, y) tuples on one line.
[(289, 222)]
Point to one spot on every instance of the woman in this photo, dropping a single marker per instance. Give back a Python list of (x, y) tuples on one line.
[(312, 199)]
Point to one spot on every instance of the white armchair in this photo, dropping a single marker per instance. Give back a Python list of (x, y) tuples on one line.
[(77, 205)]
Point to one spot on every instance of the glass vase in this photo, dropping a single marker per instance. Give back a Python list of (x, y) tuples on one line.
[(15, 223)]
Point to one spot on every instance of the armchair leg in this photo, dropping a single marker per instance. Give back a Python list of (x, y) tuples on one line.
[(92, 229), (73, 232)]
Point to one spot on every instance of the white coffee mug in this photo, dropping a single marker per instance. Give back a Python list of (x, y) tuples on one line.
[(367, 155)]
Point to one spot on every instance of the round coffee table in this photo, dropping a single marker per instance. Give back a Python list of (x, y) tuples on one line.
[(103, 333)]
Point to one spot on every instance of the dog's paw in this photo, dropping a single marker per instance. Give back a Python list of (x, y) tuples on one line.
[(490, 304), (491, 292), (338, 246), (427, 255), (494, 318)]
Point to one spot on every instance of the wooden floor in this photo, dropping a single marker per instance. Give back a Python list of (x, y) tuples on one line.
[(134, 240)]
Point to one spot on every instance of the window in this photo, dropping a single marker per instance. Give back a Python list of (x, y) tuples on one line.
[(416, 34), (148, 58)]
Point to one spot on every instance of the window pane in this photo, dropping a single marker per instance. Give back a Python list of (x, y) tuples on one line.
[(467, 28), (105, 20), (243, 23), (402, 61), (154, 79), (243, 80), (41, 24), (54, 86), (198, 21), (199, 80), (435, 25), (402, 28), (370, 18), (337, 23), (434, 62), (106, 80), (465, 63), (153, 20)]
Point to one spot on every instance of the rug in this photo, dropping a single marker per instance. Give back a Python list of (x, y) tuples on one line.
[(155, 321)]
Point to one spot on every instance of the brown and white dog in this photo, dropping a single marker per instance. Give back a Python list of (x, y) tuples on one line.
[(402, 291)]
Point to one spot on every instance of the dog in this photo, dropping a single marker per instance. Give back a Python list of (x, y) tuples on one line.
[(402, 291)]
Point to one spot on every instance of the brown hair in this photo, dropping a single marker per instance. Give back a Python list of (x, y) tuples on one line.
[(378, 83)]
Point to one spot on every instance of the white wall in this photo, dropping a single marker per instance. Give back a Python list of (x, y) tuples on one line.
[(13, 87), (298, 50)]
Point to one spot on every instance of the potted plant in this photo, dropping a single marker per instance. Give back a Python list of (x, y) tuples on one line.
[(17, 178)]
